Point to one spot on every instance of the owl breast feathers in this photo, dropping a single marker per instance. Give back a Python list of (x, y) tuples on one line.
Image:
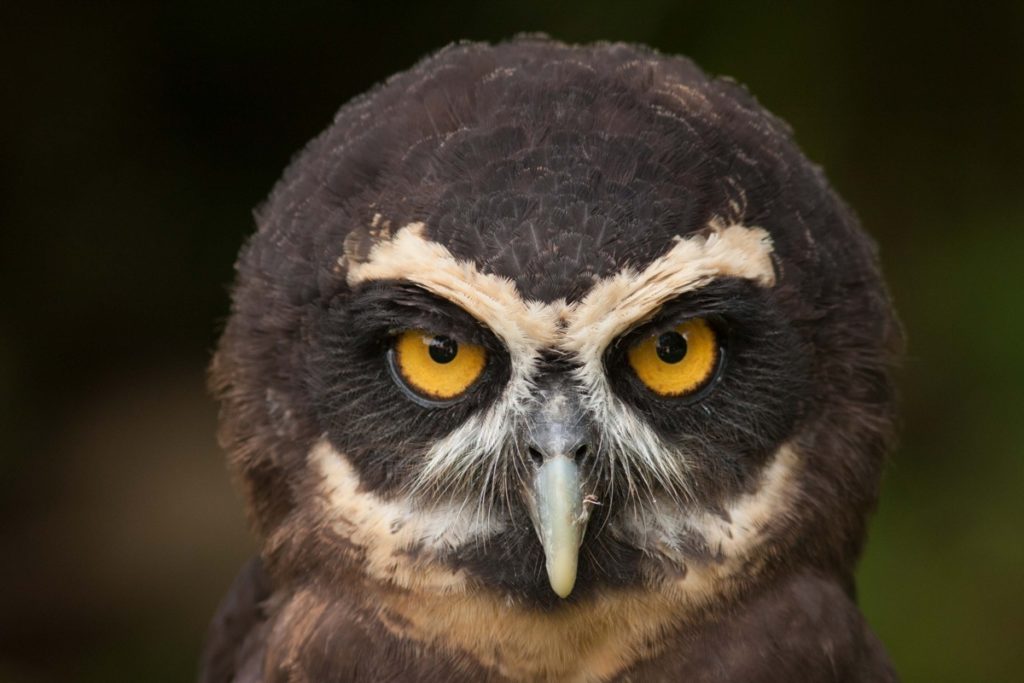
[(554, 363)]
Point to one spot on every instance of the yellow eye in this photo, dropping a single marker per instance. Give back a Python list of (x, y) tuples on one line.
[(678, 361), (436, 366)]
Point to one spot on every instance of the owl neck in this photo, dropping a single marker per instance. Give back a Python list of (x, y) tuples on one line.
[(806, 625)]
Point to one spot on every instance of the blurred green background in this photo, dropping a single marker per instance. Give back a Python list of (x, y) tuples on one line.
[(136, 139)]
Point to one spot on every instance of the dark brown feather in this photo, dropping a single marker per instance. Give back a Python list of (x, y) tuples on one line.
[(233, 651)]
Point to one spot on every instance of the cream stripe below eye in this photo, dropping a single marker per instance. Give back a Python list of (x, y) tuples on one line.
[(446, 608)]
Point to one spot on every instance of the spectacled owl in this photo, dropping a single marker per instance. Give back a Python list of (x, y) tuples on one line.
[(554, 363)]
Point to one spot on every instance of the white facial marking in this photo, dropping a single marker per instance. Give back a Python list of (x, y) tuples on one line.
[(492, 299), (593, 640), (731, 537), (471, 453), (388, 530), (613, 629), (619, 302)]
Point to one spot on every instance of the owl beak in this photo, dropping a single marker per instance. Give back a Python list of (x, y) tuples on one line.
[(560, 519), (556, 496)]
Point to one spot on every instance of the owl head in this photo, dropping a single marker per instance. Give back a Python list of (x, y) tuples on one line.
[(547, 325)]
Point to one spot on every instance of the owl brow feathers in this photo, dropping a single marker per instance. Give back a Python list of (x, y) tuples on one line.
[(612, 305), (583, 329)]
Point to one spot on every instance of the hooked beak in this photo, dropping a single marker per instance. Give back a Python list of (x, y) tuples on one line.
[(555, 493)]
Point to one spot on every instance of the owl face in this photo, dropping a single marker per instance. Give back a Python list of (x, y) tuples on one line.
[(667, 384), (544, 324)]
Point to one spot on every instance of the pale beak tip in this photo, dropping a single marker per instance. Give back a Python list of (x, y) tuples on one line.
[(562, 585)]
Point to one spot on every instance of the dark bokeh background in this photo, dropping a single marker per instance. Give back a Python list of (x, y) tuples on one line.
[(136, 139)]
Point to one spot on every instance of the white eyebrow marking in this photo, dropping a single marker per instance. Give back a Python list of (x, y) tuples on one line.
[(617, 303), (609, 308), (491, 299)]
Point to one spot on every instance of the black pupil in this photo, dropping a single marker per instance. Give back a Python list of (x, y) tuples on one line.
[(443, 349), (671, 347)]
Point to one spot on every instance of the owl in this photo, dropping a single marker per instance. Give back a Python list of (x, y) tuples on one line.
[(554, 363)]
